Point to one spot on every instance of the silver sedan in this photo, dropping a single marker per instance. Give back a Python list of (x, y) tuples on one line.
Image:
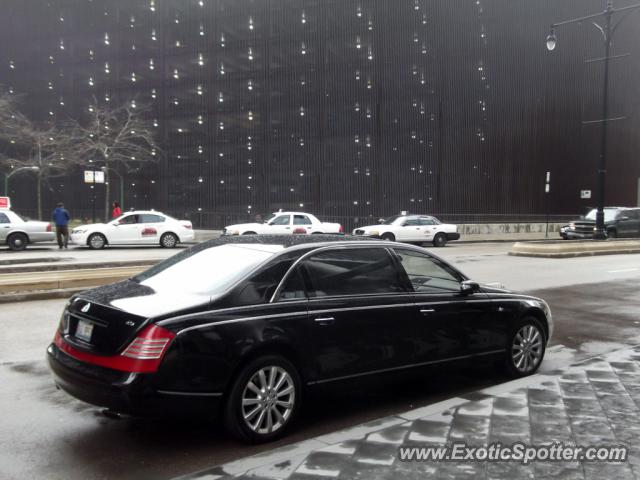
[(17, 232)]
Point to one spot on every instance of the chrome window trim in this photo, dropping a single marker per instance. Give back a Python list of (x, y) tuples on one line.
[(291, 314), (243, 319), (404, 367), (197, 315), (190, 394)]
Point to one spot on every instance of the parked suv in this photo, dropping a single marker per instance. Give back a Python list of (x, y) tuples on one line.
[(618, 222)]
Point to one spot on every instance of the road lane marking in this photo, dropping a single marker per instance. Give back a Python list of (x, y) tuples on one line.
[(624, 270)]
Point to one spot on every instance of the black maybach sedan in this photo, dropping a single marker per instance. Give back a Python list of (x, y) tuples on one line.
[(241, 326)]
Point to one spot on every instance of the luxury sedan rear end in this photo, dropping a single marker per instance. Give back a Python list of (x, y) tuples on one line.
[(240, 326)]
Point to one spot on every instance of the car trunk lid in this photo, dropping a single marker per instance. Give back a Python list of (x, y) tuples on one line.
[(105, 320)]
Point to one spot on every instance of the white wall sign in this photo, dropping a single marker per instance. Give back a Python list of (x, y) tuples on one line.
[(88, 176), (585, 193)]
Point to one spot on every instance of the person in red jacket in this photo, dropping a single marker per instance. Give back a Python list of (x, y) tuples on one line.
[(117, 211)]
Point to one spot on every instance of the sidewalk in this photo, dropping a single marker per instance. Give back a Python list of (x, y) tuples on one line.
[(592, 403)]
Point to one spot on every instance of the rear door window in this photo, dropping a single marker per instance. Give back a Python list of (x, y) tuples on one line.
[(4, 218), (353, 271), (301, 220), (149, 218)]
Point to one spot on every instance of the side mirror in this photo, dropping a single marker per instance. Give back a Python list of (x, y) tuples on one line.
[(468, 287)]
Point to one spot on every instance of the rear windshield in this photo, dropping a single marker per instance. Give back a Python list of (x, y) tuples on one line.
[(210, 271)]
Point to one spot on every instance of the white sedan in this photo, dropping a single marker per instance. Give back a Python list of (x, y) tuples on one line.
[(412, 228), (285, 222), (135, 228), (17, 232)]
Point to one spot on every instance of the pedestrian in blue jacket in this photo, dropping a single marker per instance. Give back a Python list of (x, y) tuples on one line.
[(61, 218)]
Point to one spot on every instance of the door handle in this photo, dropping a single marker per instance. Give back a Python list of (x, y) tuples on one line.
[(427, 311), (325, 320)]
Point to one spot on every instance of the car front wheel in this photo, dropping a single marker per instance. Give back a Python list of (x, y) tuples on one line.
[(168, 240), (17, 241), (526, 348), (96, 241), (264, 400)]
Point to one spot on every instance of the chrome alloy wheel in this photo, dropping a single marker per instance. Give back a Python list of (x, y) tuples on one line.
[(268, 400), (96, 241), (527, 348)]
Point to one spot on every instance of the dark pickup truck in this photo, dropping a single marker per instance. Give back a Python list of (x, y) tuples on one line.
[(618, 222)]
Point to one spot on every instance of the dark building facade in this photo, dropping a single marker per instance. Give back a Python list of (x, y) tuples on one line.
[(349, 109)]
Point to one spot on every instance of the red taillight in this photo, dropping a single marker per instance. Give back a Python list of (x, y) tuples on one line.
[(187, 225), (341, 229), (49, 227), (143, 355)]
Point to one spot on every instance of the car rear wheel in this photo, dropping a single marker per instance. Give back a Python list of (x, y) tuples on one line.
[(264, 400), (168, 240), (390, 237), (440, 240), (526, 348), (17, 241), (96, 241)]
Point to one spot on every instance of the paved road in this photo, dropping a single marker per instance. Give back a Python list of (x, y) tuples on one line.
[(46, 434)]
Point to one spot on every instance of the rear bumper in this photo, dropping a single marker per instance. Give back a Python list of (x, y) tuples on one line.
[(453, 236), (187, 236), (130, 393)]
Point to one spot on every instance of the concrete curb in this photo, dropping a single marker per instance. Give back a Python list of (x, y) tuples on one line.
[(77, 266), (19, 283), (569, 249)]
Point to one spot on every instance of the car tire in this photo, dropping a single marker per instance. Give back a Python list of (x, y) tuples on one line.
[(612, 233), (253, 418), (390, 237), (440, 240), (17, 241), (249, 233), (96, 241), (169, 240), (527, 336)]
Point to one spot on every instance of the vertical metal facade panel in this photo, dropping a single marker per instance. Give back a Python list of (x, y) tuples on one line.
[(351, 109)]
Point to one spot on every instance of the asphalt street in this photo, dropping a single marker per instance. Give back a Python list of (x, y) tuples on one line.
[(46, 434)]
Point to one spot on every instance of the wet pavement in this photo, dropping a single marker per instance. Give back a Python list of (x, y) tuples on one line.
[(44, 433), (595, 403)]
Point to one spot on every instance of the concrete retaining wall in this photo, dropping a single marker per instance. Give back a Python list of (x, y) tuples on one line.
[(470, 231)]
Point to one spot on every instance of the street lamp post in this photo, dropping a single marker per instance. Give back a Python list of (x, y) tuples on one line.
[(607, 33), (7, 176), (104, 169)]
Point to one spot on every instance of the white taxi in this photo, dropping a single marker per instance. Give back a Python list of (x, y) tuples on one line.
[(412, 228), (283, 223), (140, 227)]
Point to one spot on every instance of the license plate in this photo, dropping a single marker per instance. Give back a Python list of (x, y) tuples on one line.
[(84, 330)]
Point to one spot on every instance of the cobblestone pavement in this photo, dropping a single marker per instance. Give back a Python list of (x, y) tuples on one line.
[(593, 403)]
